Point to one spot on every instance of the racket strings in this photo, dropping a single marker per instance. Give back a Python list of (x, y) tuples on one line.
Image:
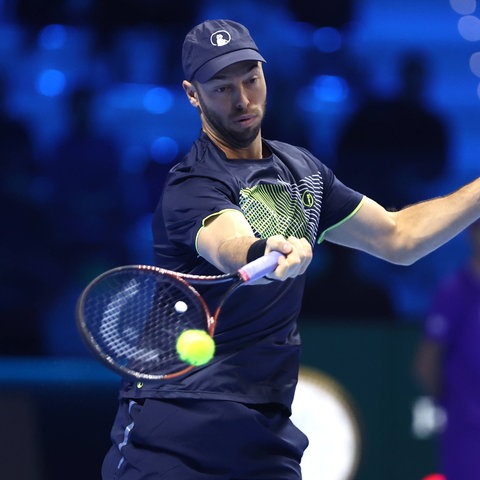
[(137, 316)]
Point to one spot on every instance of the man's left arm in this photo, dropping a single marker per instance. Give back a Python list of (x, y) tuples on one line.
[(407, 235)]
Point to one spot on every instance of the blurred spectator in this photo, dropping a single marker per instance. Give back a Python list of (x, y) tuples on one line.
[(392, 149), (27, 272), (34, 15), (169, 19), (395, 150), (87, 197), (87, 206), (344, 293), (38, 13), (447, 364), (322, 14)]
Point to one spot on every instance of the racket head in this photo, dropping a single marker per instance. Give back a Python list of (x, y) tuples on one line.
[(130, 317)]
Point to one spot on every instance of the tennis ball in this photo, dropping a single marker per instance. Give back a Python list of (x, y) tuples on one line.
[(195, 347)]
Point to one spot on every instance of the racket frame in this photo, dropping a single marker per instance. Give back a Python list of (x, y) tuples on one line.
[(245, 275)]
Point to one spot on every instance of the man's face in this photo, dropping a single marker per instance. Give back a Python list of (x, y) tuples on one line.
[(232, 104)]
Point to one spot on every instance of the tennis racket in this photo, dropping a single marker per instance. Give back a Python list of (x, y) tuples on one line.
[(130, 317)]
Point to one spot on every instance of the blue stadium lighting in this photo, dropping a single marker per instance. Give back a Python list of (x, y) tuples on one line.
[(164, 150), (324, 89), (469, 28), (158, 100), (330, 88), (327, 39), (51, 82), (52, 37), (475, 63), (464, 7)]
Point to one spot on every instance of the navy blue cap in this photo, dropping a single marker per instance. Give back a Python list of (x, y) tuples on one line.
[(214, 45)]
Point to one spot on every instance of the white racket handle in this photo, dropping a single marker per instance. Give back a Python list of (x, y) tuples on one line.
[(260, 267)]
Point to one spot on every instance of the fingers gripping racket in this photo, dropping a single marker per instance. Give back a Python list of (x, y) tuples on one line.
[(130, 317)]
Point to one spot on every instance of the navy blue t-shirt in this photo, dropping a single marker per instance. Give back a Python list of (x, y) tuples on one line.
[(290, 192)]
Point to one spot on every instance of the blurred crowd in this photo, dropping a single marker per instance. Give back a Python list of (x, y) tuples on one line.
[(77, 191)]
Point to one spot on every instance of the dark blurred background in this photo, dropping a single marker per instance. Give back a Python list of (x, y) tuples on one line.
[(92, 116)]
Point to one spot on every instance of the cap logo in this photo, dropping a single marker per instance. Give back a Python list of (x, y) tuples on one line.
[(220, 38)]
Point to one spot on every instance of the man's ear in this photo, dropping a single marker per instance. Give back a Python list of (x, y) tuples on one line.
[(191, 93)]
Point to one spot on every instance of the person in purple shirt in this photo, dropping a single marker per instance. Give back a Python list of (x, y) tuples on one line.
[(234, 197), (448, 364)]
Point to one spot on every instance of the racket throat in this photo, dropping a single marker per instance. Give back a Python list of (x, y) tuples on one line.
[(211, 322)]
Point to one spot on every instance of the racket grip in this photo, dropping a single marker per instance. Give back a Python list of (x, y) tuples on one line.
[(260, 267)]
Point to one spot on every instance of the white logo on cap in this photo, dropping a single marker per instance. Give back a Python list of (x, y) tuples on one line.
[(220, 38)]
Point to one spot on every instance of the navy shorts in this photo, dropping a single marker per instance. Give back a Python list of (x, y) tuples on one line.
[(190, 439)]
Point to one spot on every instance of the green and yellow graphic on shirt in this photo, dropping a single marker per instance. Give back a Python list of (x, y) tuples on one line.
[(283, 208)]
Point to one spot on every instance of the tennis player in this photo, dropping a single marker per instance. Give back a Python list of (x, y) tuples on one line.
[(234, 197)]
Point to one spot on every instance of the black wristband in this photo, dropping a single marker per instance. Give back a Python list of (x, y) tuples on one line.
[(256, 250)]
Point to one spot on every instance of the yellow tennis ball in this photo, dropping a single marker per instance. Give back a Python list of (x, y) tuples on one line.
[(195, 347)]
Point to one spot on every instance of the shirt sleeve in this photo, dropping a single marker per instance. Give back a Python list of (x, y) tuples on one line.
[(339, 203), (188, 201)]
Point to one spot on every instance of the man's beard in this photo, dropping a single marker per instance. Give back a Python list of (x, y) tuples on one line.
[(233, 139)]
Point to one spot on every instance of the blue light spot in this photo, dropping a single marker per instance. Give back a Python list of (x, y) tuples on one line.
[(164, 150), (469, 28), (51, 82), (464, 7), (330, 88), (158, 100), (327, 39), (52, 37), (324, 89)]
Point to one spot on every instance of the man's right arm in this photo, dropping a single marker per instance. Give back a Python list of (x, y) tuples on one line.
[(224, 241)]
